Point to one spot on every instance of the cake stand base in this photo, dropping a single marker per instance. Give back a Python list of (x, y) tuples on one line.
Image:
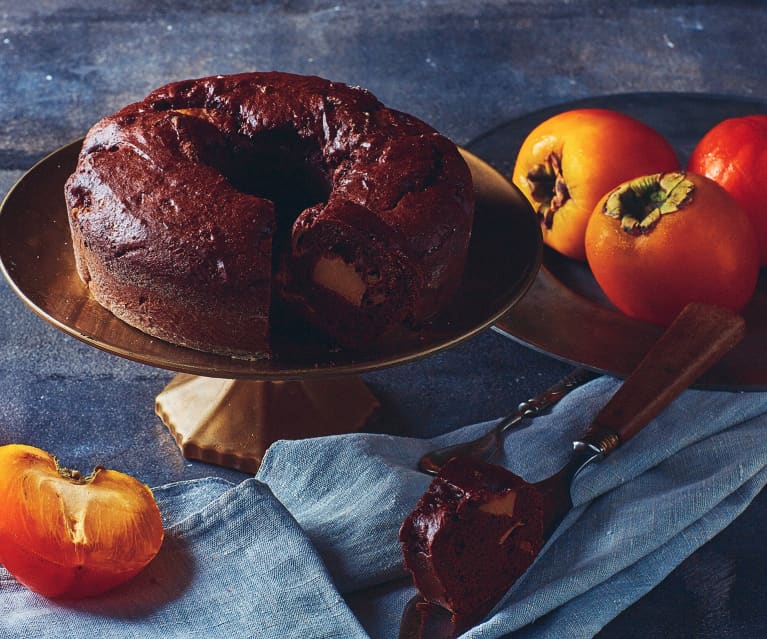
[(232, 422)]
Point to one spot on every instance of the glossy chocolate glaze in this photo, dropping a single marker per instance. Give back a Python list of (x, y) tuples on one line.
[(184, 205)]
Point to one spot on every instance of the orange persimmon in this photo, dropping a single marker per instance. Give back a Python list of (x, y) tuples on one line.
[(569, 161), (660, 241), (65, 535), (734, 154)]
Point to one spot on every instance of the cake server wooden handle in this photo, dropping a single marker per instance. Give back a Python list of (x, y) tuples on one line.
[(699, 336)]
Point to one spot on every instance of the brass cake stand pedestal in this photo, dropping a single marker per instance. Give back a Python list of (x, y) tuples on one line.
[(232, 422), (228, 411)]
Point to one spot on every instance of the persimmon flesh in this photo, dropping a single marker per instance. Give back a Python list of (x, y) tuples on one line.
[(65, 535), (658, 242), (570, 160)]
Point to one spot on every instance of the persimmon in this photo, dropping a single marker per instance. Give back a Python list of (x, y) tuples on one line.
[(734, 154), (66, 535), (660, 241), (569, 161)]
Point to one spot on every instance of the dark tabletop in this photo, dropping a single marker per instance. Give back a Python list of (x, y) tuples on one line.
[(465, 67)]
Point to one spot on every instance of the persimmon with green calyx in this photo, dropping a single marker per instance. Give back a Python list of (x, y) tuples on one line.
[(569, 161), (69, 536), (660, 241), (734, 154)]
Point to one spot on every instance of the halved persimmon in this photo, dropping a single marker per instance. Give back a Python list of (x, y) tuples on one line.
[(65, 535)]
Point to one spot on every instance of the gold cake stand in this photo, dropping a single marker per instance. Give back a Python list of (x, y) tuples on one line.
[(228, 411)]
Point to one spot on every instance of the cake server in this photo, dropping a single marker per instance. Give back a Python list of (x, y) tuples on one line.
[(696, 340)]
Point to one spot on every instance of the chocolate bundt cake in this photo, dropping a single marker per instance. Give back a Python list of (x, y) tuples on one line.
[(193, 211), (473, 533)]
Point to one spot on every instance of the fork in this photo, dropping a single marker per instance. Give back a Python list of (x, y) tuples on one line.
[(488, 445)]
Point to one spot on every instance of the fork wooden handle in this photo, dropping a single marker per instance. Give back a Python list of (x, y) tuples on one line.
[(699, 336)]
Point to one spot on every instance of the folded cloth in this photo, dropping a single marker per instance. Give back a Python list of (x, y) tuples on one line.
[(308, 548), (637, 514)]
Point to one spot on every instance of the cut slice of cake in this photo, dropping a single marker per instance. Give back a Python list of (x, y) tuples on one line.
[(473, 533)]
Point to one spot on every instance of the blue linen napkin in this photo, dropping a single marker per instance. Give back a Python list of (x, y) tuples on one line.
[(308, 548)]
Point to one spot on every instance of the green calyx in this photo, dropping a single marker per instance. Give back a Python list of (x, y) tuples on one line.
[(639, 204)]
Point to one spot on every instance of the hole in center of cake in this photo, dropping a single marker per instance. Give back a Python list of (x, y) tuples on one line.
[(283, 167)]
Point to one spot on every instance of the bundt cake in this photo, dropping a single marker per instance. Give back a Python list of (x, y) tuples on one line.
[(473, 533), (196, 210)]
